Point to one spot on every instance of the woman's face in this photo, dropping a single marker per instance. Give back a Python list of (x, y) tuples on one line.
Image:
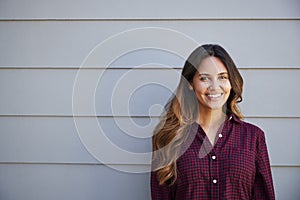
[(211, 84)]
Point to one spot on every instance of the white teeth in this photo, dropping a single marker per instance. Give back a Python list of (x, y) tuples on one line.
[(214, 95)]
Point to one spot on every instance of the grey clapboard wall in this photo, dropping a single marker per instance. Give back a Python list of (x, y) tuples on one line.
[(44, 43)]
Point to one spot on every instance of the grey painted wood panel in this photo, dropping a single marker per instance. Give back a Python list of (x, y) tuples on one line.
[(271, 93), (76, 182), (31, 37), (100, 182), (56, 140), (286, 181), (114, 9), (41, 139), (267, 93), (282, 136), (261, 43)]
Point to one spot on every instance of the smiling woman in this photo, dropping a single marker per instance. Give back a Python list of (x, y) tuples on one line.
[(211, 83), (201, 147), (212, 87)]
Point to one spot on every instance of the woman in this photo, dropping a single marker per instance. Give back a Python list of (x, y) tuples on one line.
[(201, 147)]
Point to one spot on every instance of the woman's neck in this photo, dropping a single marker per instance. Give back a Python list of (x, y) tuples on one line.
[(211, 121), (209, 118)]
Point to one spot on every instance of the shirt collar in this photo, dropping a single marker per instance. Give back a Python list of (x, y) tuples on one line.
[(233, 117)]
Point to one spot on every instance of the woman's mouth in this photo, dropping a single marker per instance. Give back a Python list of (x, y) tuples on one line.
[(214, 96)]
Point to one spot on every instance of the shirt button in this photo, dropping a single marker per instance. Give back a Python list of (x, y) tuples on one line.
[(220, 135), (213, 157), (215, 181)]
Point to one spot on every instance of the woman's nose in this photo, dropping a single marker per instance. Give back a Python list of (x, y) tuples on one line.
[(214, 85)]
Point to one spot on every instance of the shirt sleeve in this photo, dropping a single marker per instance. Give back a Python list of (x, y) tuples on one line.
[(158, 192), (263, 183)]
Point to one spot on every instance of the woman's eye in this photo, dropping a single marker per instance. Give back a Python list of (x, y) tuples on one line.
[(204, 79), (223, 77)]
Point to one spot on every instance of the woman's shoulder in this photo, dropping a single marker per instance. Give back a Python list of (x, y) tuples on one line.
[(249, 128), (252, 126), (253, 131)]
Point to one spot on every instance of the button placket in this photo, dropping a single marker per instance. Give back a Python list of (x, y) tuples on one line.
[(214, 167), (214, 176)]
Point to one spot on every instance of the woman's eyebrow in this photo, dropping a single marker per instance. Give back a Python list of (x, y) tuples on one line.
[(204, 74), (223, 73)]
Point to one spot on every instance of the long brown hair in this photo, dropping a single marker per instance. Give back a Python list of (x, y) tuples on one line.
[(182, 111)]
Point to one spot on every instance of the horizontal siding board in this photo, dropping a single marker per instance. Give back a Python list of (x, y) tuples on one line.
[(41, 140), (286, 181), (282, 136), (86, 182), (58, 43), (267, 93), (76, 182), (144, 66), (36, 91), (56, 140), (68, 9)]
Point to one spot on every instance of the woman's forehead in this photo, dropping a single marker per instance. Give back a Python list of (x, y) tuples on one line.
[(211, 65)]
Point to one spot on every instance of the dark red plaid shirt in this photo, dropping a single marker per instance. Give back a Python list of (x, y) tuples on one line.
[(236, 167)]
